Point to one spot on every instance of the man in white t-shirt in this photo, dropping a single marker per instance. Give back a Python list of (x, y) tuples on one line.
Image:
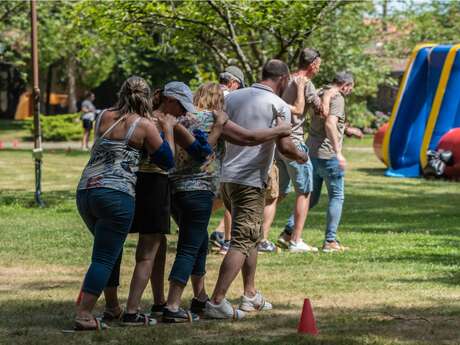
[(244, 178)]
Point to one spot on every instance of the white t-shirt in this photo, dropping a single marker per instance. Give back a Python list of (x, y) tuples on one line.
[(255, 107)]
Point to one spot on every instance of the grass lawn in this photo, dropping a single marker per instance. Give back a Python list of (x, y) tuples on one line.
[(13, 130), (399, 283)]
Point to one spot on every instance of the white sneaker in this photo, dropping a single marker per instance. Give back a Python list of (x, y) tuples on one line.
[(301, 247), (257, 302), (224, 310)]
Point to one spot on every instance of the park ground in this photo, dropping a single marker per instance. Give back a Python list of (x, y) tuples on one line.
[(399, 283)]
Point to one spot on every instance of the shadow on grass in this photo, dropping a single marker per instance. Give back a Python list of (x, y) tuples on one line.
[(25, 199), (40, 322), (372, 171)]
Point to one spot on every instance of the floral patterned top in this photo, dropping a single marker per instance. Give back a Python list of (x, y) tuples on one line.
[(190, 175), (113, 164)]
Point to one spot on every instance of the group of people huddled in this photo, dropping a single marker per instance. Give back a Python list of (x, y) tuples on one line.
[(173, 153)]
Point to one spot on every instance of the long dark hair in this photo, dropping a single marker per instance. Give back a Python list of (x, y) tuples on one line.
[(134, 97)]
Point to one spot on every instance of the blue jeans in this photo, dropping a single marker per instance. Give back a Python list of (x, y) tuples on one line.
[(326, 170), (108, 214), (301, 175), (191, 211)]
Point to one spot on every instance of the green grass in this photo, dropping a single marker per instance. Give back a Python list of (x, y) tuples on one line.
[(399, 283), (13, 130)]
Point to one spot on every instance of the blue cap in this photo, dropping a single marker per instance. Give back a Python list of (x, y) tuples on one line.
[(182, 93)]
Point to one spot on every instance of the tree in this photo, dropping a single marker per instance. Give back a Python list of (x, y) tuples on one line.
[(78, 55), (215, 33)]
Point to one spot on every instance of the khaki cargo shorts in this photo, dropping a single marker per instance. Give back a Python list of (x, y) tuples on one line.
[(246, 205), (273, 190)]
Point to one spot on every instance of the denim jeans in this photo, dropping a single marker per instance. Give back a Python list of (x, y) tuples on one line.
[(192, 211), (326, 170), (108, 214)]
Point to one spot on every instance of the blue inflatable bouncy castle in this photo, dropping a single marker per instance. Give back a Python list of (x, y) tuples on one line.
[(426, 108)]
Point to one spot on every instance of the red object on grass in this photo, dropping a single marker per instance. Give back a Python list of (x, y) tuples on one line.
[(1, 144), (451, 142), (80, 296), (307, 323), (378, 141)]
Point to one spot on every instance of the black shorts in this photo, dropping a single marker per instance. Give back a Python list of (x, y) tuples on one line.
[(87, 124), (153, 204)]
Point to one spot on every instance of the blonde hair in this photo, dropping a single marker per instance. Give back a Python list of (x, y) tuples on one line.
[(134, 97), (209, 96)]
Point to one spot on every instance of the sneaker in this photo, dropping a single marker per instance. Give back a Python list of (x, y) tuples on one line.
[(224, 247), (178, 316), (256, 303), (156, 310), (224, 310), (283, 240), (197, 307), (217, 239), (137, 319), (333, 246), (301, 247), (266, 246), (111, 315)]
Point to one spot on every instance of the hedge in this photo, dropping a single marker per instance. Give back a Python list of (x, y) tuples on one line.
[(59, 127)]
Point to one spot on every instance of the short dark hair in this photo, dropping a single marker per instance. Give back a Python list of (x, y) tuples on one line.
[(88, 94), (274, 69), (307, 57), (342, 78)]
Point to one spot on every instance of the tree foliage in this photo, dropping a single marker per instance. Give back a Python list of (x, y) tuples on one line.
[(206, 36)]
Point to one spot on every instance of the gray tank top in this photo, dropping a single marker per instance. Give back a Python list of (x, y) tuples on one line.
[(113, 163)]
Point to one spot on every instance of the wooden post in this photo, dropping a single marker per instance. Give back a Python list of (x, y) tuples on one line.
[(37, 151)]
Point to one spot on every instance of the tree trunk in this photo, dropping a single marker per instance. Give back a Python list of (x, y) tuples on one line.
[(71, 87)]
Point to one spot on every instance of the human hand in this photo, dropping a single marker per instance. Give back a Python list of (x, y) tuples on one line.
[(342, 161), (220, 117), (283, 127), (166, 121), (302, 157), (354, 132), (300, 82)]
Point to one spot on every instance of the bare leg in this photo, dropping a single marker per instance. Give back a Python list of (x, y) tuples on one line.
[(221, 226), (249, 273), (158, 274), (86, 306), (199, 289), (300, 215), (147, 248), (174, 295), (269, 216), (229, 269), (227, 225), (112, 304)]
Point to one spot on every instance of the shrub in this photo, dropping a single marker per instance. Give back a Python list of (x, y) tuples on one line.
[(59, 127)]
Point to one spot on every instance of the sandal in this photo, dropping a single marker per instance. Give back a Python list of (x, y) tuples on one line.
[(88, 324), (179, 316), (137, 319)]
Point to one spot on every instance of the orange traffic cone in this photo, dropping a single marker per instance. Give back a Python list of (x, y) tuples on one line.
[(307, 323)]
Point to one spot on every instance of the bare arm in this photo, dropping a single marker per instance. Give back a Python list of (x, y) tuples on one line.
[(238, 135), (327, 96), (182, 136), (287, 148), (299, 105), (332, 134)]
